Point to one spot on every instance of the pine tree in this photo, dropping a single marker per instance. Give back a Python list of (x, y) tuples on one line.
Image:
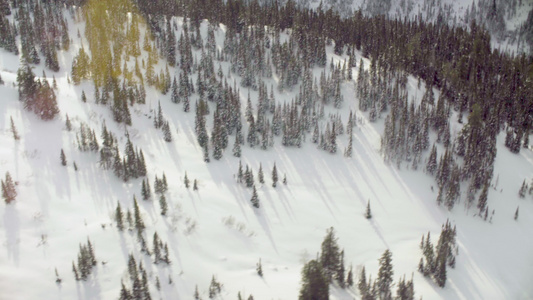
[(523, 189), (166, 132), (63, 158), (284, 179), (260, 175), (196, 293), (68, 124), (330, 254), (163, 204), (255, 198), (9, 193), (237, 147), (385, 276), (14, 131), (349, 278), (195, 185), (139, 223), (368, 213), (186, 180), (516, 213), (259, 268), (339, 276), (274, 176), (315, 285), (362, 285), (119, 217)]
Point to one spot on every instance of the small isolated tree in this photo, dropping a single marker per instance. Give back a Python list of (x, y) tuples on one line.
[(523, 189), (68, 124), (14, 131), (516, 213), (255, 198), (368, 213), (285, 179), (9, 193), (163, 205), (259, 268), (186, 180), (63, 158), (119, 217), (274, 176), (260, 174), (196, 293), (315, 284), (195, 185)]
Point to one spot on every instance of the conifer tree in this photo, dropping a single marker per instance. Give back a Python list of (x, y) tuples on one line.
[(362, 285), (163, 204), (14, 131), (186, 180), (516, 213), (385, 276), (195, 185), (315, 285), (119, 217), (9, 193), (255, 198), (330, 254), (368, 212), (259, 268), (63, 158), (349, 278), (274, 176), (139, 223), (260, 175)]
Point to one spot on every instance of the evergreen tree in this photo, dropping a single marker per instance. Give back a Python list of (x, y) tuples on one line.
[(139, 223), (195, 185), (349, 278), (274, 176), (259, 268), (186, 180), (63, 158), (362, 285), (330, 254), (339, 276), (119, 217), (255, 198), (260, 175), (368, 213), (385, 276), (315, 285), (9, 193), (516, 213), (14, 131), (163, 204)]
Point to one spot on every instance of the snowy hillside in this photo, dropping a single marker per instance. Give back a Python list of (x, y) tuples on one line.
[(215, 230)]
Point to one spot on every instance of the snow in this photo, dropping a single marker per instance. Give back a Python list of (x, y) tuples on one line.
[(216, 231)]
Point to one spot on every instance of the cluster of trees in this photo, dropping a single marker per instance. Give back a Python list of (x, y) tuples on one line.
[(139, 282), (36, 95), (329, 267), (9, 191), (86, 262), (435, 260), (525, 188)]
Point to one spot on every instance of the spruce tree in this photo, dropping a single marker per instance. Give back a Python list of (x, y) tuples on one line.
[(330, 254), (274, 176), (255, 198), (186, 180), (259, 268), (14, 131), (63, 158), (385, 276), (119, 217), (368, 212), (163, 204), (260, 175), (315, 285), (516, 213)]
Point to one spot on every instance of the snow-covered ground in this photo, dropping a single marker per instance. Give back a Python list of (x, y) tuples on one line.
[(215, 230)]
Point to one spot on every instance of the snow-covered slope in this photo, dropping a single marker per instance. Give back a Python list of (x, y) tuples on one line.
[(215, 230)]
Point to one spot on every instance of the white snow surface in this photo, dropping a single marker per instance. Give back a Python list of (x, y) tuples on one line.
[(215, 230)]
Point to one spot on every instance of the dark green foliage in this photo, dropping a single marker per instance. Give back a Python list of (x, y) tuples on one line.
[(119, 217), (255, 198), (315, 284), (36, 96), (260, 175), (139, 223), (163, 204), (274, 176), (385, 276), (435, 262), (86, 262), (405, 289), (349, 278), (330, 254)]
